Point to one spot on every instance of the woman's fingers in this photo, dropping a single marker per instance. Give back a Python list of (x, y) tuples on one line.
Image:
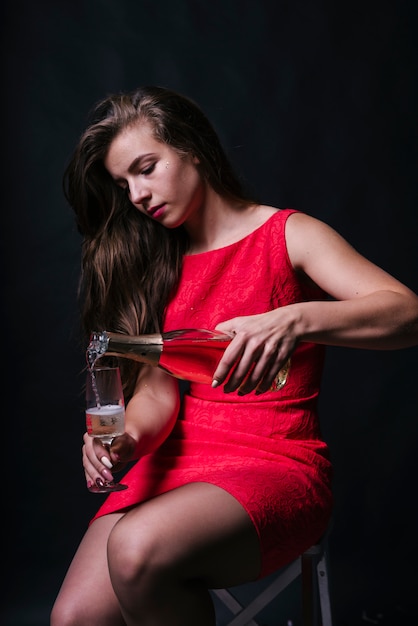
[(250, 366), (94, 466)]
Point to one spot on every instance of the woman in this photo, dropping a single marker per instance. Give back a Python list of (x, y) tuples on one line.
[(234, 481)]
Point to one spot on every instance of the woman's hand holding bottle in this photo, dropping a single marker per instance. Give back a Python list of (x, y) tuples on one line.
[(258, 356)]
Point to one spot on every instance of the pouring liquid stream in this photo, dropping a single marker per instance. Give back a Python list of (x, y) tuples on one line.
[(91, 358)]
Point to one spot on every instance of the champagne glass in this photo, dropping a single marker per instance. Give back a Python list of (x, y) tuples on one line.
[(105, 413)]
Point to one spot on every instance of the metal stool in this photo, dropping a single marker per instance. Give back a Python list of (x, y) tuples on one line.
[(312, 566)]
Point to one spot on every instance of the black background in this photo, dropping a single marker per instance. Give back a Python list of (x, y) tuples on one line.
[(316, 103)]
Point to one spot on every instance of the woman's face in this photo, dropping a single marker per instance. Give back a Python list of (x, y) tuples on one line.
[(161, 184)]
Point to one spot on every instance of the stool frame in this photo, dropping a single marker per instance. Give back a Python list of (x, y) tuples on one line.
[(312, 567)]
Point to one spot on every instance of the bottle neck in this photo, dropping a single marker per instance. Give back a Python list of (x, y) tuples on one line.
[(143, 348), (149, 348)]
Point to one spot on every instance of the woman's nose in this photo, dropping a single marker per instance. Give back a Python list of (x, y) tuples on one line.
[(138, 192)]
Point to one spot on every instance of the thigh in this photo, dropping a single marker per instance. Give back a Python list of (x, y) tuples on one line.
[(86, 590), (198, 531)]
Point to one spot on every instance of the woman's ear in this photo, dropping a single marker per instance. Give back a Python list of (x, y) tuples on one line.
[(195, 160)]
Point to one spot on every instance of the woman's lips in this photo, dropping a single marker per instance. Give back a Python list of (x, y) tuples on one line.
[(157, 210)]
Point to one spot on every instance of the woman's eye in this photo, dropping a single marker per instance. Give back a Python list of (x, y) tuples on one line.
[(148, 170)]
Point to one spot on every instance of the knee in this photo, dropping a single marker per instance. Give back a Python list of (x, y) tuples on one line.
[(71, 611), (65, 614), (133, 554)]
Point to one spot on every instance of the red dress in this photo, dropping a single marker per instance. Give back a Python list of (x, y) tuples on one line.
[(265, 450)]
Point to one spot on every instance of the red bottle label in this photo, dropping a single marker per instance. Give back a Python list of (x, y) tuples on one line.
[(192, 360)]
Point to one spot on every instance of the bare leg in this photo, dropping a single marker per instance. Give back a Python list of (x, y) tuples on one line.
[(86, 595), (165, 554)]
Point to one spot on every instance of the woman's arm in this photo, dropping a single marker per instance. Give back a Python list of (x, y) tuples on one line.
[(152, 411), (150, 416), (371, 309)]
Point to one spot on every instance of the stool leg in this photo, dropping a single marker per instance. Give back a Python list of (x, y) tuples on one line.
[(310, 607), (323, 587)]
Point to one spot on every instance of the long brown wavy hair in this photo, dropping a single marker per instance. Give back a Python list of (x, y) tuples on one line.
[(130, 264)]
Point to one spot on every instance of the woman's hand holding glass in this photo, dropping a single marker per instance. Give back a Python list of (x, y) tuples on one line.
[(105, 420)]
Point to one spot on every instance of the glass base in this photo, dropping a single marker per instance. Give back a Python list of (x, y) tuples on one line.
[(107, 488)]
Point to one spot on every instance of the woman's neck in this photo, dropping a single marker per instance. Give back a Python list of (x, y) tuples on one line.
[(221, 222)]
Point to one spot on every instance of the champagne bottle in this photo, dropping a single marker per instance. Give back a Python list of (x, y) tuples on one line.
[(188, 354)]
